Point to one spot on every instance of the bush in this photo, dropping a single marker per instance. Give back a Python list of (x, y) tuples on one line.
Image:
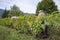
[(5, 21)]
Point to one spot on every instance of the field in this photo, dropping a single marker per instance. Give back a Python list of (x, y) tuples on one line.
[(30, 28)]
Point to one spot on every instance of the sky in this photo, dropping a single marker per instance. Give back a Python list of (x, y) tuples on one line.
[(27, 6)]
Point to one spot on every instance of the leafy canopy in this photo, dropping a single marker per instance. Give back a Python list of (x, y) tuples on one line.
[(48, 6)]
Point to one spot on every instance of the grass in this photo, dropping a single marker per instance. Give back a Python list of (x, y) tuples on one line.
[(11, 34)]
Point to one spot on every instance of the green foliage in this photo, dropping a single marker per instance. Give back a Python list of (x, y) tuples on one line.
[(54, 22), (5, 21), (48, 6), (11, 34), (15, 11), (5, 14), (8, 34), (33, 24)]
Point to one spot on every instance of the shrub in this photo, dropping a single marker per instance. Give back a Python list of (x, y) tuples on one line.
[(5, 21)]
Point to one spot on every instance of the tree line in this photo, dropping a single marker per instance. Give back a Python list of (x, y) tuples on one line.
[(14, 11), (48, 6)]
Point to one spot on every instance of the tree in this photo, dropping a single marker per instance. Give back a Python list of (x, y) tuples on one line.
[(48, 6), (5, 14), (15, 11)]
